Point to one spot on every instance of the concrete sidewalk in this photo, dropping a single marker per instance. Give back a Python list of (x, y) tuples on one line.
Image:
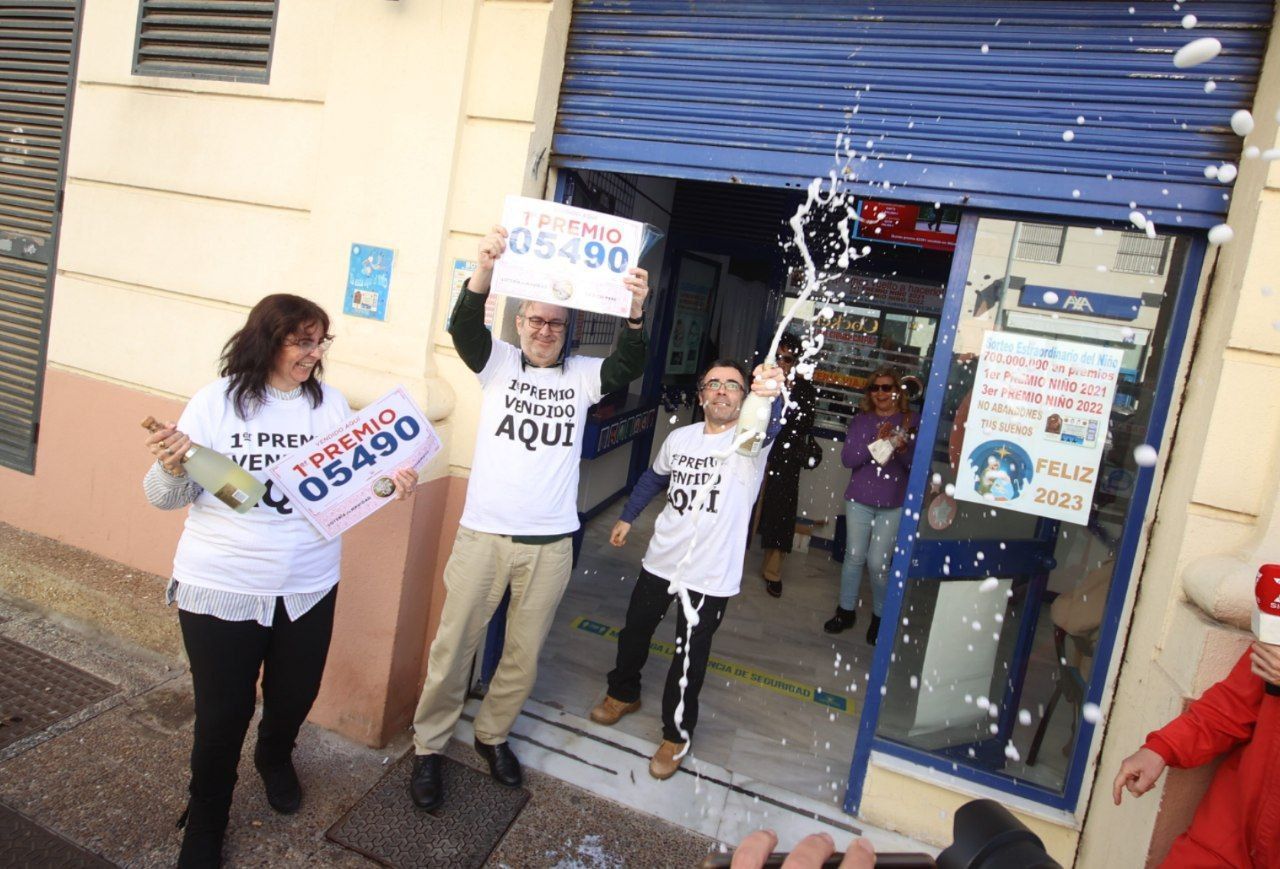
[(112, 777)]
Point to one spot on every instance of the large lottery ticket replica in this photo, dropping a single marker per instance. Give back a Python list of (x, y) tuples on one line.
[(567, 256), (339, 479), (1037, 425)]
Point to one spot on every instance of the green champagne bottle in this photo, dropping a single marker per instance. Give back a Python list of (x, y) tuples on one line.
[(218, 475)]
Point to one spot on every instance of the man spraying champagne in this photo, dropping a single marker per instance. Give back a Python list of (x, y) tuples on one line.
[(695, 553)]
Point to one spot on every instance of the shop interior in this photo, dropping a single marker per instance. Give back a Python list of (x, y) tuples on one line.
[(784, 707), (993, 682)]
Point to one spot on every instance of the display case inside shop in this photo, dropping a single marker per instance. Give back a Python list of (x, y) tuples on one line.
[(865, 323)]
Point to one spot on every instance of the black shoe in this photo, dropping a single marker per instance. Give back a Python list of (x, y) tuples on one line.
[(841, 621), (426, 784), (873, 630), (284, 792), (774, 587), (503, 765), (204, 824)]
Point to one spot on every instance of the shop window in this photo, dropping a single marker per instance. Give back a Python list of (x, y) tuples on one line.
[(1139, 255), (1040, 243), (1015, 559), (222, 39)]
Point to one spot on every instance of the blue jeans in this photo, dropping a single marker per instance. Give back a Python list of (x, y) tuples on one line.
[(871, 533)]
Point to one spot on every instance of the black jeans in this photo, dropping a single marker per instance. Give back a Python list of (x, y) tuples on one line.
[(225, 660), (650, 600)]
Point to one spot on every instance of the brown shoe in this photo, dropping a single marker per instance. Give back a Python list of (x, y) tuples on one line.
[(665, 763), (610, 710)]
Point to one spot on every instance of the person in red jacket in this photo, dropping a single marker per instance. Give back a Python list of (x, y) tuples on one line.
[(1238, 821)]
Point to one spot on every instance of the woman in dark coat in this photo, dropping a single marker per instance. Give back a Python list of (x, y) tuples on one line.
[(778, 503)]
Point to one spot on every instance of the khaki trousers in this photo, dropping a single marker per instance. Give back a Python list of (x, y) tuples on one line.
[(771, 567), (480, 568)]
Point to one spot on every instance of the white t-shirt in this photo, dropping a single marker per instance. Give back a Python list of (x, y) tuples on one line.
[(271, 550), (524, 478), (720, 525)]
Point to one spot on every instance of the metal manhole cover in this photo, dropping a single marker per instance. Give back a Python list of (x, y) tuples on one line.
[(37, 690), (387, 827), (24, 843)]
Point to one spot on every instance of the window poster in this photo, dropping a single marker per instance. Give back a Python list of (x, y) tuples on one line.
[(1037, 425)]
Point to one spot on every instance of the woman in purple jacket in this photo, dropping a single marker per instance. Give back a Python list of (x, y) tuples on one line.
[(873, 501)]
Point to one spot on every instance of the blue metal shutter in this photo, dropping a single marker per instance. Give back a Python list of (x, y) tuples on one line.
[(757, 92)]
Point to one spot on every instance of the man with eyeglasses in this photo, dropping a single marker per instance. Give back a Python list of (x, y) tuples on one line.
[(520, 515), (698, 541)]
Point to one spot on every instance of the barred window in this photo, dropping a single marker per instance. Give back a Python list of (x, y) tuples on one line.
[(1040, 243), (217, 39), (1140, 255)]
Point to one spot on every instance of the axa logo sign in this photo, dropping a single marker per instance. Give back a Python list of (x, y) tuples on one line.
[(1078, 304)]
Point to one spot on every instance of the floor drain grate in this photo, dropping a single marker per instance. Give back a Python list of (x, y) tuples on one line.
[(37, 690), (24, 843), (387, 827)]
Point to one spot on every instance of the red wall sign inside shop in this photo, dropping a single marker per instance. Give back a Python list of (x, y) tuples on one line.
[(903, 223)]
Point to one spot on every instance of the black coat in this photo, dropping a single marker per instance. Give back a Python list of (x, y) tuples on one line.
[(787, 459)]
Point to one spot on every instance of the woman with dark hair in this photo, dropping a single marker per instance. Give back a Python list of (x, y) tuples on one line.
[(878, 450), (780, 498), (255, 591)]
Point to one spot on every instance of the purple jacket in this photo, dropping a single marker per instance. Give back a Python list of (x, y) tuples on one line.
[(874, 484)]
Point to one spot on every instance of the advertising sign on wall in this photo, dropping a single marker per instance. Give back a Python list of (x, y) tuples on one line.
[(930, 227), (368, 281), (337, 480), (567, 256), (1037, 425)]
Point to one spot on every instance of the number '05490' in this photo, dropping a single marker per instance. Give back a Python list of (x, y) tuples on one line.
[(381, 445), (547, 245)]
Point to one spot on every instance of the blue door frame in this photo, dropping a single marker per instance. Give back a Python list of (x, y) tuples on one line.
[(1126, 554)]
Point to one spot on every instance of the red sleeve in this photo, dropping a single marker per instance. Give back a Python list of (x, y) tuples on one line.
[(1223, 717)]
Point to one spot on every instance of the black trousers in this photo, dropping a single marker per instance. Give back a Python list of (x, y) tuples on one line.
[(226, 658), (650, 600)]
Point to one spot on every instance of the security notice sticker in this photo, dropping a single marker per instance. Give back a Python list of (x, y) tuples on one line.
[(337, 480), (1037, 425), (567, 256)]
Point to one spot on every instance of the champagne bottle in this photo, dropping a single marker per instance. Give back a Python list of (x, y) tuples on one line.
[(218, 475), (754, 417)]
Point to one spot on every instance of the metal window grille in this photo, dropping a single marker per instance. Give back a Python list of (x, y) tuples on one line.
[(219, 39), (1141, 255), (610, 192), (1040, 243), (594, 330)]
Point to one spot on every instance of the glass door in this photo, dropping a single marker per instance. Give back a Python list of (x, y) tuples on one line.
[(1058, 351)]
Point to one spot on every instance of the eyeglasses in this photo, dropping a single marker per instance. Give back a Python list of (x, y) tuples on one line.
[(306, 345), (787, 358), (727, 385), (556, 326), (882, 387)]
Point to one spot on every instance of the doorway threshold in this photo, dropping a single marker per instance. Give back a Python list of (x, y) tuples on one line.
[(702, 797)]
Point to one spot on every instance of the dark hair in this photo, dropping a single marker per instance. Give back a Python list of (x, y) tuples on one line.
[(789, 342), (250, 353), (723, 363), (884, 371)]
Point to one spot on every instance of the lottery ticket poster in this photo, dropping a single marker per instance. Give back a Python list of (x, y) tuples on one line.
[(1037, 425), (567, 256), (338, 480)]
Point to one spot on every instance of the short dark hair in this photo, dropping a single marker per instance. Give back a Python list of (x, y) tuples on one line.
[(724, 363), (789, 342), (250, 353)]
